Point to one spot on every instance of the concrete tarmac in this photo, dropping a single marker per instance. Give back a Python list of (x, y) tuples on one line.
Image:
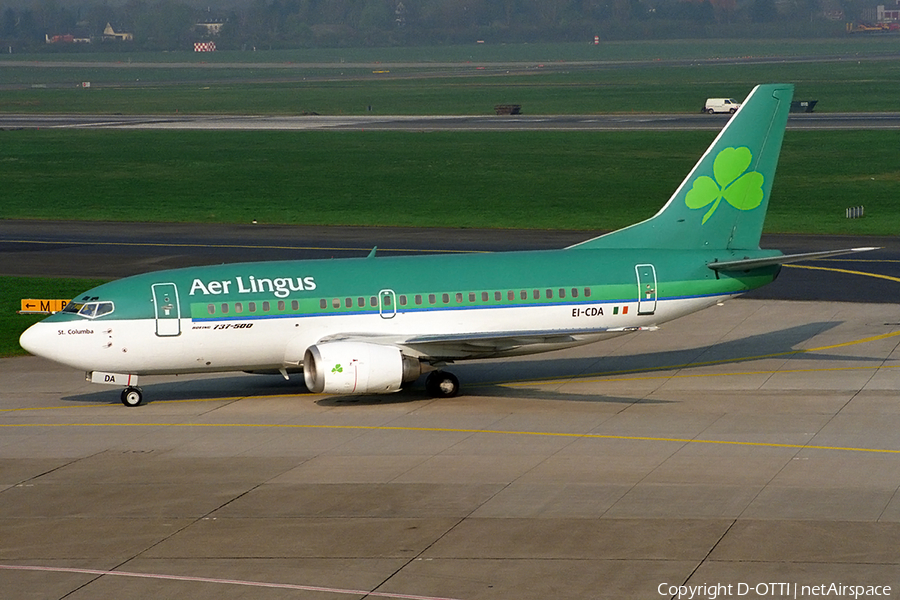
[(755, 443)]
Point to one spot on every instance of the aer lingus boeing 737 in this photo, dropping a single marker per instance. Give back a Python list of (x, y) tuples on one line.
[(370, 325)]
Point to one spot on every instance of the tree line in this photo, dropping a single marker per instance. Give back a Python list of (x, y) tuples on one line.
[(278, 24)]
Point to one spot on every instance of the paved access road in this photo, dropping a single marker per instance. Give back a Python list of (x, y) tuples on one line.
[(605, 122)]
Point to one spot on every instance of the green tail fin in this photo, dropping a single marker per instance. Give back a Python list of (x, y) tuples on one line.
[(722, 203)]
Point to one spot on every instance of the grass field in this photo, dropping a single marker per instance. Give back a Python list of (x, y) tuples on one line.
[(860, 74), (839, 87), (548, 180), (869, 45)]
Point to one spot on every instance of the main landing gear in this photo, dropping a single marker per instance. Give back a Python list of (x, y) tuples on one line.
[(442, 384), (132, 396)]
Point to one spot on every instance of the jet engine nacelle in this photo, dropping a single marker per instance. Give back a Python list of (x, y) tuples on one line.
[(357, 368)]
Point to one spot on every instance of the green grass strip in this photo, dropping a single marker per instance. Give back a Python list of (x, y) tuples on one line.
[(542, 180), (868, 85)]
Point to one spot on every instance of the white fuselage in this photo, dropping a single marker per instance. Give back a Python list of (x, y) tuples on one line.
[(257, 344)]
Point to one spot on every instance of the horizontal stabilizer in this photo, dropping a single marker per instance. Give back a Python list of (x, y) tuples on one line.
[(756, 263)]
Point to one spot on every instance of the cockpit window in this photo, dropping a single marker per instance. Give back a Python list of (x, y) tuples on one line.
[(104, 308), (73, 307), (90, 310)]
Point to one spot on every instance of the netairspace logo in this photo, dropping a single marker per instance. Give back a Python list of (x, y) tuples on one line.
[(772, 590)]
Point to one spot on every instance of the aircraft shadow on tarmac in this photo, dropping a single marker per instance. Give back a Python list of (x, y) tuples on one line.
[(491, 379), (784, 343), (484, 391)]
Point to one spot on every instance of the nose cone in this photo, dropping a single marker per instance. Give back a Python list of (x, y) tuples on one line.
[(38, 340), (67, 343)]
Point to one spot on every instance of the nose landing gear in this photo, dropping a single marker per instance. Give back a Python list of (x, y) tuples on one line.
[(132, 396)]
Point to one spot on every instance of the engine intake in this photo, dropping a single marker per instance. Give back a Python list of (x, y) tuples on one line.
[(357, 368)]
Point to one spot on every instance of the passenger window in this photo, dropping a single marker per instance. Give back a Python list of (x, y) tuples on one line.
[(587, 292), (574, 292), (323, 303), (484, 296), (523, 295), (238, 308), (471, 296), (498, 296), (281, 305), (562, 292), (211, 309), (402, 300), (537, 294), (373, 301), (418, 298), (459, 297), (295, 305), (336, 303), (266, 306), (445, 298), (251, 306), (224, 309), (431, 298), (549, 293), (348, 302), (361, 302)]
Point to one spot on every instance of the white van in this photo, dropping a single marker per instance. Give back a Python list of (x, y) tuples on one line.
[(721, 105)]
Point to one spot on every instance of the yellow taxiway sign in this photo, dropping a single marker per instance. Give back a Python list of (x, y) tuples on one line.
[(37, 306)]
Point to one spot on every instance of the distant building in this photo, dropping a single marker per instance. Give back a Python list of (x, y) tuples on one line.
[(111, 35), (888, 14)]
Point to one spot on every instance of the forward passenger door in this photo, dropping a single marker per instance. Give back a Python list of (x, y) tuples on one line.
[(168, 312)]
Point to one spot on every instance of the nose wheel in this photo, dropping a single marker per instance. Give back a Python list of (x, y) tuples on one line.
[(442, 384), (132, 396)]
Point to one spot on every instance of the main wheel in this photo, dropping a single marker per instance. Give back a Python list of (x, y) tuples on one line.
[(442, 384), (132, 396)]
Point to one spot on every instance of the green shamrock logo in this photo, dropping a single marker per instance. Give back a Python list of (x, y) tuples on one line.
[(740, 188), (337, 368)]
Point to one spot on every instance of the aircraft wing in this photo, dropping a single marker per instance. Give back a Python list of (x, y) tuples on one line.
[(449, 347), (755, 263)]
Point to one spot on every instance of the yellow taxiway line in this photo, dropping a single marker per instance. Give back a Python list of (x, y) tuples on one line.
[(586, 436)]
